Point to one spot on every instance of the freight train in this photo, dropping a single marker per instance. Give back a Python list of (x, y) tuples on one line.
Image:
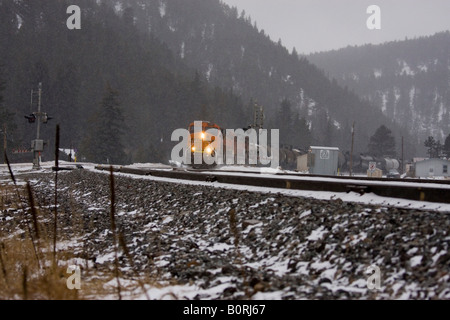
[(203, 145), (362, 162)]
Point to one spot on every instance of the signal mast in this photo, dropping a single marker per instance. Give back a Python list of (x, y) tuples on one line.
[(37, 145)]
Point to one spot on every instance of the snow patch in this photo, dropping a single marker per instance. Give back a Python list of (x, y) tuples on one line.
[(162, 9), (182, 51), (384, 103), (317, 234), (19, 21), (406, 69), (422, 67), (167, 220), (441, 111), (208, 72), (118, 7), (415, 261), (412, 94), (105, 258), (288, 78), (337, 124), (377, 73)]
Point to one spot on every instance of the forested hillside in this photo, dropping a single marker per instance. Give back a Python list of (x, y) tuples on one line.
[(156, 91), (168, 62), (229, 49), (409, 81)]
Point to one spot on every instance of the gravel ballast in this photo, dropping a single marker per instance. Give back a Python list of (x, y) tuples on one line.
[(229, 244)]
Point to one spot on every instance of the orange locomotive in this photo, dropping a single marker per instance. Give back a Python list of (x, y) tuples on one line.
[(204, 139), (210, 145), (213, 145)]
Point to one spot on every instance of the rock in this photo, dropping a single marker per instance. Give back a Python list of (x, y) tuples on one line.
[(251, 222), (259, 287), (197, 247), (228, 292)]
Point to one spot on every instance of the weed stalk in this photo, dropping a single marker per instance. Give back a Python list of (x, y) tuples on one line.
[(113, 230), (55, 223)]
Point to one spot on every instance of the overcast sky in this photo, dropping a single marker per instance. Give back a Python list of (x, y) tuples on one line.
[(320, 25)]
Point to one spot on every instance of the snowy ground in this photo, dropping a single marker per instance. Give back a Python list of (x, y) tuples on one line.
[(284, 244)]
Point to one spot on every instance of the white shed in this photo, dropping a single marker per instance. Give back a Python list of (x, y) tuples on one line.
[(320, 161), (432, 168)]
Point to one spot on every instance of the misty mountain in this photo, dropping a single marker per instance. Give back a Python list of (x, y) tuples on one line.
[(157, 91), (171, 62), (230, 51), (409, 81)]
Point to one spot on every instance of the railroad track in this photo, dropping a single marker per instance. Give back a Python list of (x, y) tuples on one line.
[(408, 180), (379, 187)]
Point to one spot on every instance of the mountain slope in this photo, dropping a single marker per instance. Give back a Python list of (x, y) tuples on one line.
[(230, 51), (409, 81), (158, 93), (150, 51)]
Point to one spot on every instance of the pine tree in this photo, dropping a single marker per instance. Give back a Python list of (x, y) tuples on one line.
[(2, 118), (65, 92), (446, 147), (438, 149), (2, 87), (103, 143), (7, 125), (382, 143), (302, 134), (433, 147), (284, 122)]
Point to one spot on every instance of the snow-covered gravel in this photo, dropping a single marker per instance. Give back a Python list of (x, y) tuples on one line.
[(282, 246)]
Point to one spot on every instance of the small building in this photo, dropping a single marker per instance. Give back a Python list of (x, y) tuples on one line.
[(432, 168), (375, 173), (410, 170), (320, 160)]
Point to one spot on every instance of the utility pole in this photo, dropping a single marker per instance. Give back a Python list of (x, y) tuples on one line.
[(351, 152), (37, 146), (403, 165)]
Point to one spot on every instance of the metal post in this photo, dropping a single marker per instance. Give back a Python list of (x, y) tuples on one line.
[(39, 112), (255, 115), (403, 163), (351, 152), (5, 142), (37, 147)]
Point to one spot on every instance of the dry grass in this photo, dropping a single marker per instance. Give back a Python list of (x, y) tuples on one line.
[(23, 278), (25, 250), (233, 222), (34, 267)]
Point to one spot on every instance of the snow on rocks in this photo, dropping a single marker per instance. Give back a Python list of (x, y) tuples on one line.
[(282, 247)]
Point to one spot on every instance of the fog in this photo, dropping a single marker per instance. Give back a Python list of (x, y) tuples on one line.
[(321, 25)]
